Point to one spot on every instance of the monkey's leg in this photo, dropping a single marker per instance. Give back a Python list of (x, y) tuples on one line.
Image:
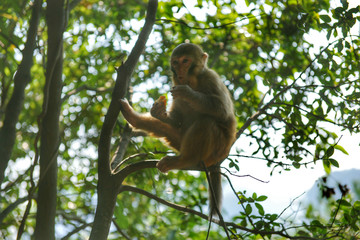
[(204, 141), (198, 144)]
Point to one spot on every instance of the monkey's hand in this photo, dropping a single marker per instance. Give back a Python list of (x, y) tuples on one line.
[(182, 91), (158, 109)]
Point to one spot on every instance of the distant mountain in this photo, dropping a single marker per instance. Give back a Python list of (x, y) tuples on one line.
[(349, 178)]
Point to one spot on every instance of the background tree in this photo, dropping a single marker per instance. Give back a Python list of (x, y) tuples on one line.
[(58, 65)]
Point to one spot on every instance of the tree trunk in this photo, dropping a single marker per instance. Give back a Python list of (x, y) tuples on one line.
[(107, 193), (50, 137), (21, 79)]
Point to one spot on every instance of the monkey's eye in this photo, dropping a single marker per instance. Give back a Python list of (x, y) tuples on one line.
[(185, 60), (175, 62)]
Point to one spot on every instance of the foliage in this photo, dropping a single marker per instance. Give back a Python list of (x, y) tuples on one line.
[(282, 85)]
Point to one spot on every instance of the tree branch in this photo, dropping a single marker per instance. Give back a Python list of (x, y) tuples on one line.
[(117, 161), (108, 183), (128, 188), (124, 188), (11, 207), (85, 87)]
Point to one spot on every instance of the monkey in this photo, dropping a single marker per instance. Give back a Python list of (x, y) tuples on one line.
[(200, 124)]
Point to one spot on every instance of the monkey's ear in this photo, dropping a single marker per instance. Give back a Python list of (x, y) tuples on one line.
[(204, 57)]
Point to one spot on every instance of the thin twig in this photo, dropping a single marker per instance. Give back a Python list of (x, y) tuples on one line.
[(247, 175), (263, 109), (208, 28)]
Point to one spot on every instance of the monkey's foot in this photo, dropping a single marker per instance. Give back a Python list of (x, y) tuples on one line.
[(168, 163), (128, 112), (125, 105)]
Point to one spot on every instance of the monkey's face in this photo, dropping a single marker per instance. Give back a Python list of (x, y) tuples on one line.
[(181, 67)]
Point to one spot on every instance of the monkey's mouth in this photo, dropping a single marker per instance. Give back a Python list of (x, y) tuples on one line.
[(181, 79)]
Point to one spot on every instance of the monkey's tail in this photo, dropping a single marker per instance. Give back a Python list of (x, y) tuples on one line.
[(215, 191)]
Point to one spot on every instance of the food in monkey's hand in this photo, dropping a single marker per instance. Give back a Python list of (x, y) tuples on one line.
[(162, 99)]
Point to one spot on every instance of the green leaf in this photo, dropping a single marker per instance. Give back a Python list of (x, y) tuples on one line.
[(329, 152), (273, 217), (354, 10), (248, 209), (234, 165), (339, 10), (325, 18), (327, 166), (334, 162), (335, 32), (261, 198), (328, 35), (316, 223), (317, 152), (344, 202), (243, 222), (344, 31), (345, 4), (254, 196), (339, 45), (356, 205), (296, 165), (259, 224), (324, 25), (347, 44), (260, 209)]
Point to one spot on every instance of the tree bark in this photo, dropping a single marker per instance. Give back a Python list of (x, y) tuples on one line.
[(108, 185), (50, 137), (21, 79)]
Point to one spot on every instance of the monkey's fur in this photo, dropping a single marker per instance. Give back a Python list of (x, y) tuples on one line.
[(200, 123)]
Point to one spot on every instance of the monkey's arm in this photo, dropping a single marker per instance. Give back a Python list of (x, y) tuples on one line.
[(210, 104)]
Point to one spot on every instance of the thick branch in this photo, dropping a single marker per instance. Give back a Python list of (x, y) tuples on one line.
[(108, 183), (121, 86), (126, 171), (124, 72)]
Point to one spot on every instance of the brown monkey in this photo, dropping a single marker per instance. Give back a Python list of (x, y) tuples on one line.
[(200, 123)]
